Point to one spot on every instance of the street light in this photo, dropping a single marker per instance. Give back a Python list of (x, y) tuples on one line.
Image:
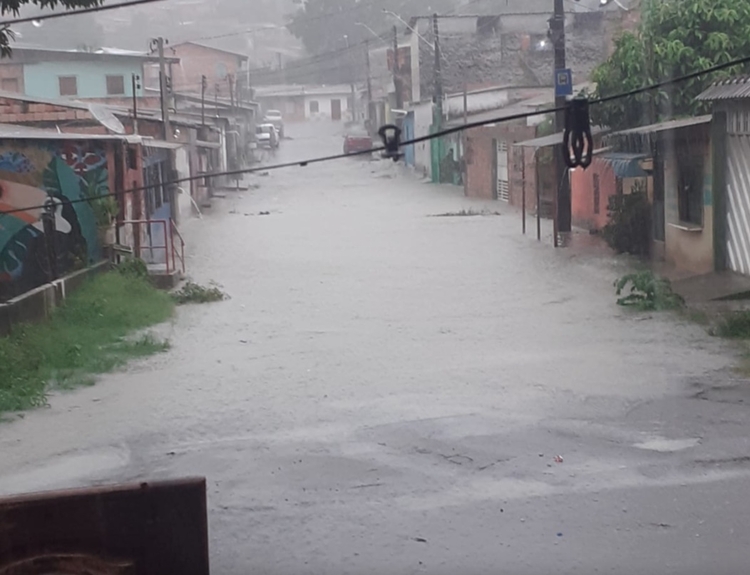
[(371, 31), (432, 46)]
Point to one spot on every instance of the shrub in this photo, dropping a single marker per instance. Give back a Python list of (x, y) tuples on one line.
[(647, 292)]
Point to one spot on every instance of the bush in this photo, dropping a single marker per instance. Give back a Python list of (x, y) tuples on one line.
[(133, 267), (734, 325), (195, 293), (629, 227), (647, 292)]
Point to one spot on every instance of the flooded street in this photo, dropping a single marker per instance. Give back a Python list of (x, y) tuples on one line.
[(389, 392)]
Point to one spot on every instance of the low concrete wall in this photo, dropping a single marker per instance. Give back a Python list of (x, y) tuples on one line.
[(37, 305)]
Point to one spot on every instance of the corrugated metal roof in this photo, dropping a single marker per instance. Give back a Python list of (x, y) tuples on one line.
[(731, 89), (665, 126), (625, 165), (13, 131), (552, 139)]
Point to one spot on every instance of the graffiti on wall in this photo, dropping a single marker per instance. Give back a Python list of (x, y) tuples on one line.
[(31, 173)]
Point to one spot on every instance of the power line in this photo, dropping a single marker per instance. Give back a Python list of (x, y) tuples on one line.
[(6, 23), (442, 133)]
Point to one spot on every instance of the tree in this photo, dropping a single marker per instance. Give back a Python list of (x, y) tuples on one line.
[(676, 37), (323, 24), (14, 7), (65, 33)]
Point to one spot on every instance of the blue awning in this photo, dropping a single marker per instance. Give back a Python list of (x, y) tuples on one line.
[(625, 165)]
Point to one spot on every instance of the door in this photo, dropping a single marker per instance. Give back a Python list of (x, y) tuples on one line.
[(501, 169), (738, 200), (335, 109), (157, 208)]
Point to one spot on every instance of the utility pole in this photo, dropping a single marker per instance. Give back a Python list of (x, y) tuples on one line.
[(563, 210), (397, 72), (158, 43), (204, 84), (231, 91), (439, 73), (351, 77), (135, 86), (466, 104), (369, 86), (436, 145)]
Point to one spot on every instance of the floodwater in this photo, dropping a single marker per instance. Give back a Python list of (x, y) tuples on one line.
[(389, 392)]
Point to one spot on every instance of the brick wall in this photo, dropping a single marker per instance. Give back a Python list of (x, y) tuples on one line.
[(13, 111), (197, 61), (479, 156)]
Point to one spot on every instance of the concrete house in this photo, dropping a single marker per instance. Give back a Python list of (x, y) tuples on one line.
[(101, 74), (222, 69), (308, 102)]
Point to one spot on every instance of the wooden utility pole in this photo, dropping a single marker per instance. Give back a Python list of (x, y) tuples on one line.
[(369, 84), (231, 91), (466, 104), (135, 86), (397, 72), (439, 74), (158, 43), (204, 84), (563, 211)]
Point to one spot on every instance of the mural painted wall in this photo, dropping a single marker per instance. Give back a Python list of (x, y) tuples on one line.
[(31, 172)]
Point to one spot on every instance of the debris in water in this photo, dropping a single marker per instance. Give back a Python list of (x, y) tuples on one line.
[(420, 540), (559, 534), (558, 459)]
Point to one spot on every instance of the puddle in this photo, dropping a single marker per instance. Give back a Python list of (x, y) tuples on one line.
[(64, 471), (665, 445)]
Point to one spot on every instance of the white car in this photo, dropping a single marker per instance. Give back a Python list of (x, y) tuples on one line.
[(267, 136), (274, 117)]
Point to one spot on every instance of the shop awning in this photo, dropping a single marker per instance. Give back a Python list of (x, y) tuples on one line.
[(625, 165)]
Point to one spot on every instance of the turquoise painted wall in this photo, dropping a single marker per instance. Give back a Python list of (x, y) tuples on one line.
[(41, 80)]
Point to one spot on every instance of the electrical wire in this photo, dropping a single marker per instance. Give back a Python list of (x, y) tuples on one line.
[(6, 23), (440, 134)]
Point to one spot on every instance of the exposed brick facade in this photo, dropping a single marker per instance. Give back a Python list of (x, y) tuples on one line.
[(197, 61), (479, 156)]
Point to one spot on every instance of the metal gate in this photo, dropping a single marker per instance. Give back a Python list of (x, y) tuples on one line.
[(738, 191), (502, 186)]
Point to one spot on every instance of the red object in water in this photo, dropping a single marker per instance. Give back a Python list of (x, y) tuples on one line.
[(357, 143)]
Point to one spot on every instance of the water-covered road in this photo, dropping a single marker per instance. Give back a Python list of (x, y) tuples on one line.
[(386, 392)]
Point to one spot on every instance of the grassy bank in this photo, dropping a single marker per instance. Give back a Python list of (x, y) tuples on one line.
[(86, 336)]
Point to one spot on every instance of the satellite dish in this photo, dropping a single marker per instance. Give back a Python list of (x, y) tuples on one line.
[(106, 118)]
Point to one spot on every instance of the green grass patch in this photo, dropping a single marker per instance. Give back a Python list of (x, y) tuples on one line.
[(87, 335), (735, 325)]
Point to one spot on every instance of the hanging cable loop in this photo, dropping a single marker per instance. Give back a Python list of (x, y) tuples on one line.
[(391, 136), (578, 144)]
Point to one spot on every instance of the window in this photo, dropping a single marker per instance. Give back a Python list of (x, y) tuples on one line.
[(314, 107), (597, 194), (10, 85), (115, 85), (690, 188), (68, 85)]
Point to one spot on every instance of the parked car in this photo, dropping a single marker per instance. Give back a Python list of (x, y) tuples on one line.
[(267, 136), (274, 117), (357, 140)]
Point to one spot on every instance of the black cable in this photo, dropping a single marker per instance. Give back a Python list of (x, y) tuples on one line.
[(442, 133), (6, 23)]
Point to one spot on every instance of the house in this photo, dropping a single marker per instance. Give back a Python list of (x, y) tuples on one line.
[(678, 159), (102, 74), (201, 143), (300, 103), (221, 68), (37, 166), (730, 129)]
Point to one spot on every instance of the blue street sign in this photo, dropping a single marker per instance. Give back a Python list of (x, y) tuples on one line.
[(563, 83)]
